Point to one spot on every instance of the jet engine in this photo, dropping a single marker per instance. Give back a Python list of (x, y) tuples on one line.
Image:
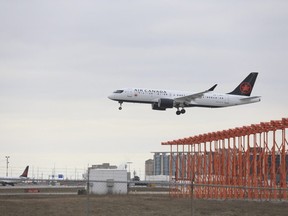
[(156, 107), (163, 104)]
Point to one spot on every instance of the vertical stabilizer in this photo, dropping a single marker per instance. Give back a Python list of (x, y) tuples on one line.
[(246, 86), (25, 173)]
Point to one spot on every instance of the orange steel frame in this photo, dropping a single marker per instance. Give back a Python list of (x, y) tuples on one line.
[(248, 162)]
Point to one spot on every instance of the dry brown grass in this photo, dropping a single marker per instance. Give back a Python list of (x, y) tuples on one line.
[(132, 205)]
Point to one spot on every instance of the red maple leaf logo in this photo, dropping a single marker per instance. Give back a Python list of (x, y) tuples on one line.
[(245, 88)]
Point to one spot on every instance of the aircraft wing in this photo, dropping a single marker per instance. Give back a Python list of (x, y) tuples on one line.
[(188, 98)]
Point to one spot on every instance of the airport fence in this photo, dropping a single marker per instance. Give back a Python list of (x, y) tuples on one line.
[(175, 189), (188, 189)]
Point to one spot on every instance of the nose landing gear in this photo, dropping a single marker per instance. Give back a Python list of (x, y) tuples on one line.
[(120, 107)]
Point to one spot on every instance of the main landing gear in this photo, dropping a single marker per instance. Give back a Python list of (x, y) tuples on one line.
[(182, 111), (120, 107)]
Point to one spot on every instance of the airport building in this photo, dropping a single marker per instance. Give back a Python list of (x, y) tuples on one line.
[(106, 179)]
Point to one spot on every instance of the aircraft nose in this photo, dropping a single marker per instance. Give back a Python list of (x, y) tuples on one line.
[(111, 97)]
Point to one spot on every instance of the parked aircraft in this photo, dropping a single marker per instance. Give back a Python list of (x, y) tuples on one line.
[(14, 180), (165, 99)]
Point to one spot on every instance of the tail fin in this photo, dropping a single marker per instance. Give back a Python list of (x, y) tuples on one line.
[(246, 86), (25, 173)]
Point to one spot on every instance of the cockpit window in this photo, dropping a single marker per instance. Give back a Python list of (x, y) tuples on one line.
[(118, 91)]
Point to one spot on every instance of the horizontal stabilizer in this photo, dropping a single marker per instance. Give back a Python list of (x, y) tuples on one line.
[(250, 98)]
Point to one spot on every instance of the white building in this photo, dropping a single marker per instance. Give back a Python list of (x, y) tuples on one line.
[(107, 181)]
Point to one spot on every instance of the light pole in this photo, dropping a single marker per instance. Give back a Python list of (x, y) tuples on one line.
[(7, 162), (129, 169)]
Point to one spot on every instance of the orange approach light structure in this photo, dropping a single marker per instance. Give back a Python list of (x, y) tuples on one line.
[(249, 162)]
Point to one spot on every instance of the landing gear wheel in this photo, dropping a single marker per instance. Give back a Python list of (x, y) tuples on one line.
[(120, 108), (182, 111)]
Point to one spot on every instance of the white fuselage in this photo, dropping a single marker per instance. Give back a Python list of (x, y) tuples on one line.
[(208, 99), (11, 181)]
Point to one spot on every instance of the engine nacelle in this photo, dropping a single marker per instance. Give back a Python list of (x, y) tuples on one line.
[(165, 103), (156, 107)]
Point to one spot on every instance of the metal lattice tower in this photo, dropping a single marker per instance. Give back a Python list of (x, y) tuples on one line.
[(249, 162)]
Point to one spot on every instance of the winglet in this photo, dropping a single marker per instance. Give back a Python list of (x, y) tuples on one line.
[(212, 88)]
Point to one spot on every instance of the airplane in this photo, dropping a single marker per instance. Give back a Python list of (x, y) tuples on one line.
[(14, 180), (165, 99)]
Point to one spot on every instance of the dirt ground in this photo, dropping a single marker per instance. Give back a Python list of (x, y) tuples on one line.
[(132, 205)]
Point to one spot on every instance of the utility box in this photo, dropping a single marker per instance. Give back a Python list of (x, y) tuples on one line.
[(107, 181)]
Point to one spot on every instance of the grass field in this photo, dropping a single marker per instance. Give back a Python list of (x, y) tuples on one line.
[(132, 205)]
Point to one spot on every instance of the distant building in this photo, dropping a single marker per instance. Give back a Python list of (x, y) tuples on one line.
[(104, 166), (160, 164), (149, 167)]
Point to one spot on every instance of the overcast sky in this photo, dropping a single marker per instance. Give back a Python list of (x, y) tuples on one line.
[(59, 60)]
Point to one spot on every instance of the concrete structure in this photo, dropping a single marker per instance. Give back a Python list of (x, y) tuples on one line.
[(107, 181)]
